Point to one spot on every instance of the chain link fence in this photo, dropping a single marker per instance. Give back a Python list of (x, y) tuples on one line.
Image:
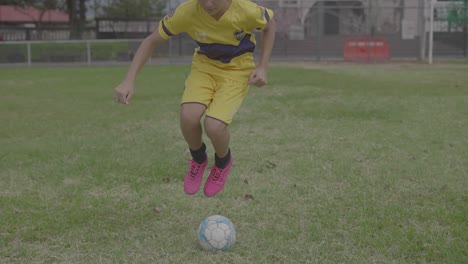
[(306, 30)]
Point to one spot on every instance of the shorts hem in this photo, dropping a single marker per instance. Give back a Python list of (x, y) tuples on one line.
[(194, 103), (224, 122)]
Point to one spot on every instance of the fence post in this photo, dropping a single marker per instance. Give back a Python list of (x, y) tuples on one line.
[(88, 52), (320, 16), (431, 32), (29, 53), (422, 30), (465, 26)]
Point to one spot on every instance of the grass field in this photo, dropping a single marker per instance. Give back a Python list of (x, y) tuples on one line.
[(334, 163)]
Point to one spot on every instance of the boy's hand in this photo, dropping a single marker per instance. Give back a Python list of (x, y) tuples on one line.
[(124, 92), (258, 77)]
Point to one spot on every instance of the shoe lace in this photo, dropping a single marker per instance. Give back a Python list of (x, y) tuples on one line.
[(217, 174), (194, 169)]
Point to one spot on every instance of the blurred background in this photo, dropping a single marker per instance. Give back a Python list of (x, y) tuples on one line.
[(109, 31)]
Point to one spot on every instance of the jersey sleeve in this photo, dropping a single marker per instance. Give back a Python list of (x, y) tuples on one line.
[(173, 24), (258, 16)]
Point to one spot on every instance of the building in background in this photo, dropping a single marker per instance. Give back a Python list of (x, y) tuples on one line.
[(17, 23)]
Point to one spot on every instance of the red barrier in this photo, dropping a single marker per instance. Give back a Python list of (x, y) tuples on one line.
[(366, 49)]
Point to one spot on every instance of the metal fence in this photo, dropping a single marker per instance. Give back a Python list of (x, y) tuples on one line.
[(89, 51), (306, 30)]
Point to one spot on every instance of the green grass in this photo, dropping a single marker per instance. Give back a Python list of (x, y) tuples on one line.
[(334, 163)]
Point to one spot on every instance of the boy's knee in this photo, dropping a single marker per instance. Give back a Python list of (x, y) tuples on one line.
[(191, 113), (214, 127), (189, 118)]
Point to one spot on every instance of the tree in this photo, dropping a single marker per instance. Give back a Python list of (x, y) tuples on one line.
[(76, 10)]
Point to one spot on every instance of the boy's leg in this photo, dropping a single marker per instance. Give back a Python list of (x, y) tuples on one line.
[(190, 115), (218, 132), (226, 101), (197, 96)]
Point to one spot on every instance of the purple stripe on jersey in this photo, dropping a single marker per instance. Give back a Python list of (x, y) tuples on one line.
[(267, 16), (224, 52), (166, 30)]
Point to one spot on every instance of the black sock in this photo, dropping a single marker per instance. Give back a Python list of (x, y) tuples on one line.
[(199, 155), (223, 162)]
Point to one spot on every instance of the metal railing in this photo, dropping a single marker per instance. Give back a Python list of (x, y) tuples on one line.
[(304, 32)]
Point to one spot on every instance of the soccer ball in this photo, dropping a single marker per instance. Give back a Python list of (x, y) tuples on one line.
[(216, 233)]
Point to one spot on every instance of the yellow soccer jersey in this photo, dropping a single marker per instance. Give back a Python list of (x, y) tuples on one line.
[(224, 44)]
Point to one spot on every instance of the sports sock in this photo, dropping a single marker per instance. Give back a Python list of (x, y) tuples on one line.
[(199, 155), (222, 162)]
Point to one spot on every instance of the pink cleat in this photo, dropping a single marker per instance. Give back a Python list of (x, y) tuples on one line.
[(215, 182), (194, 177)]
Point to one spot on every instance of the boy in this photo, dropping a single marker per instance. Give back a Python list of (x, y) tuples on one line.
[(222, 69)]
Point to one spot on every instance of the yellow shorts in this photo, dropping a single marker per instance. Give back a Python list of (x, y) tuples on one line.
[(221, 96)]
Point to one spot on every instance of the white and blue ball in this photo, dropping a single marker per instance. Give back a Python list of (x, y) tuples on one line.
[(216, 233)]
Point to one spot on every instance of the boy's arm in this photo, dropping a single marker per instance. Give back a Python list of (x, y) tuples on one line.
[(125, 90), (259, 76), (268, 40)]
